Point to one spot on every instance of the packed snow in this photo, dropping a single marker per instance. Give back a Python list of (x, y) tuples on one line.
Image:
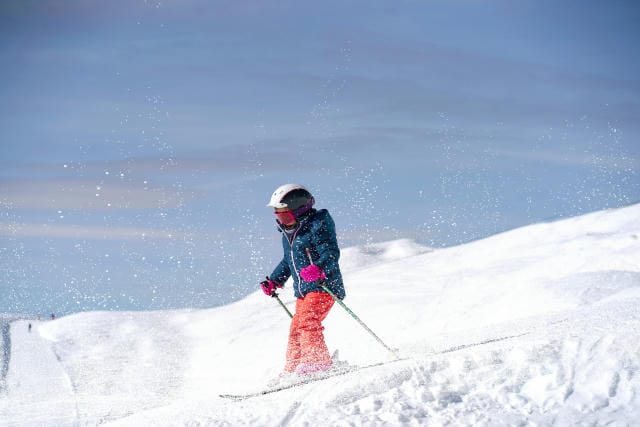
[(535, 326)]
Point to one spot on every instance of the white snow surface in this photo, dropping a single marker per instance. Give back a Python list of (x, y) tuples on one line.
[(535, 326)]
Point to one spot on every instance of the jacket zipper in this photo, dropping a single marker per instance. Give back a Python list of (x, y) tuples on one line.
[(293, 261)]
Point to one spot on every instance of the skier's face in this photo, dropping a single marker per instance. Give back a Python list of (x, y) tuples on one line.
[(285, 216)]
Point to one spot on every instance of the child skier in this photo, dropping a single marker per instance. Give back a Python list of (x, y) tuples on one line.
[(311, 256)]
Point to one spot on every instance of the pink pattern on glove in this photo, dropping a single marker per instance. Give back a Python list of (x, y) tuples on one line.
[(311, 273)]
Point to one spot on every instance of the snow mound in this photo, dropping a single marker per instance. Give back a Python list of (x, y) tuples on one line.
[(358, 257)]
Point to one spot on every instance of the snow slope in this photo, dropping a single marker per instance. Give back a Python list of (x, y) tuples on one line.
[(535, 326)]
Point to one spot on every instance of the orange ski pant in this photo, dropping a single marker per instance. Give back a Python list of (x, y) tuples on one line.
[(306, 340)]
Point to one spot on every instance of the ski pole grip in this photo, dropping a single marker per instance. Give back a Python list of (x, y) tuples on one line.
[(309, 255)]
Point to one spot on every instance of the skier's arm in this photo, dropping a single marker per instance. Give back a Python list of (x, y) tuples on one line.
[(281, 273), (326, 245)]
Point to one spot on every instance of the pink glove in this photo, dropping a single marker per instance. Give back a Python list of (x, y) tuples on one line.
[(269, 286), (311, 273)]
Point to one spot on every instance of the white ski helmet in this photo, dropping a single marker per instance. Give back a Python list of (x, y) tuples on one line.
[(292, 196)]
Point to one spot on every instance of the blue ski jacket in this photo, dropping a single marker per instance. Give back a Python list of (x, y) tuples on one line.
[(317, 231)]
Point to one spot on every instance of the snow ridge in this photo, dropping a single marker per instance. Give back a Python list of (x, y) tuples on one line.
[(535, 326)]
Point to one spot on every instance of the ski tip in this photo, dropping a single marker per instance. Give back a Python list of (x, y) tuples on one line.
[(232, 397)]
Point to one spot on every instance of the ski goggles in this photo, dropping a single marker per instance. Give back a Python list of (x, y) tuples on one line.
[(286, 217)]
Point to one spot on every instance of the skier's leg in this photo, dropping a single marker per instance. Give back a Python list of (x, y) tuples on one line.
[(314, 354), (293, 345)]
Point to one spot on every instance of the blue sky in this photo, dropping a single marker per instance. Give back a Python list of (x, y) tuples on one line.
[(140, 140)]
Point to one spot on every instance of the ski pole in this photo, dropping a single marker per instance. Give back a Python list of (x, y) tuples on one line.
[(343, 305), (275, 295)]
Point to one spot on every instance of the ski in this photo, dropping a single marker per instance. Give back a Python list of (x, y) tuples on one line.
[(311, 379)]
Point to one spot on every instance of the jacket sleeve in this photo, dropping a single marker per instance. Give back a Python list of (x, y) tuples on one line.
[(326, 244), (281, 273)]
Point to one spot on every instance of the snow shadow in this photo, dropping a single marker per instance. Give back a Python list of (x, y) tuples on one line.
[(5, 327), (588, 288)]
